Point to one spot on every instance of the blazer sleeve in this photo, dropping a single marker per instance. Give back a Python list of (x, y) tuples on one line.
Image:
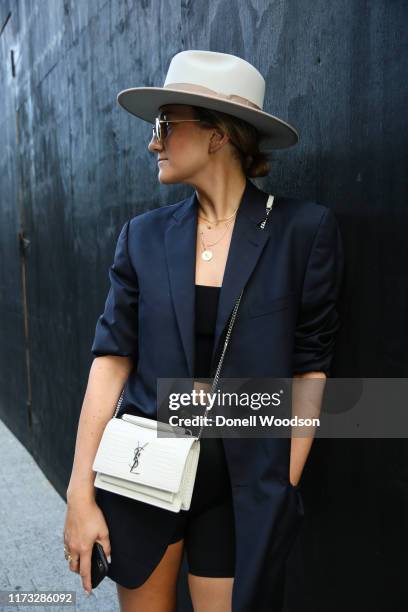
[(116, 330), (318, 319)]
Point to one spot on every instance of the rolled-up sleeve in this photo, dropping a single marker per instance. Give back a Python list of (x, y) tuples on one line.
[(116, 330), (318, 319)]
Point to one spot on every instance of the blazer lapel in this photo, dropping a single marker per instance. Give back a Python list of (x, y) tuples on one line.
[(246, 246), (180, 245)]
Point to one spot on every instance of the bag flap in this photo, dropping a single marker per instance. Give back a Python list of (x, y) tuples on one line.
[(135, 453)]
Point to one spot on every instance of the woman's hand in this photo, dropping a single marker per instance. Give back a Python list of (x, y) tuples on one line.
[(295, 480), (306, 402), (84, 524)]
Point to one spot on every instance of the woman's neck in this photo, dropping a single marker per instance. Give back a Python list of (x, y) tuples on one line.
[(220, 197)]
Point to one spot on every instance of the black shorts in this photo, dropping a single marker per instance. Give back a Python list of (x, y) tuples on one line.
[(207, 528)]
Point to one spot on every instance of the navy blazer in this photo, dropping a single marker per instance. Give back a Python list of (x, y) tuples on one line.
[(286, 324)]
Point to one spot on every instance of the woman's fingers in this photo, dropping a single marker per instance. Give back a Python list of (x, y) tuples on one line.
[(104, 540), (79, 541), (74, 563), (85, 570)]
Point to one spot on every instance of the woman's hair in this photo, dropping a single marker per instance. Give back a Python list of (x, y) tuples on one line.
[(244, 137)]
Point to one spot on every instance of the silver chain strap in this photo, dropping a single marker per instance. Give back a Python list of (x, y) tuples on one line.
[(214, 385), (120, 400), (217, 373)]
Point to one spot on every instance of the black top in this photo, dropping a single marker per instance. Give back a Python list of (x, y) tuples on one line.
[(205, 319)]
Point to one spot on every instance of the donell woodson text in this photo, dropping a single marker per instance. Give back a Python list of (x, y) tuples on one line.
[(254, 420)]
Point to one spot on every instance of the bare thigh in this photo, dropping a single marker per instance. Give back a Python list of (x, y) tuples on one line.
[(158, 593), (210, 594)]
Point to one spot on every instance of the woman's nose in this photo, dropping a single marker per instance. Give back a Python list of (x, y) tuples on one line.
[(154, 144)]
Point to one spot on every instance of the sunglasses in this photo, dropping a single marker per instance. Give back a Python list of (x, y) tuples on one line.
[(161, 125)]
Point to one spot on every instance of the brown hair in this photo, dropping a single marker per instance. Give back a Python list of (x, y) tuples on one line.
[(244, 137)]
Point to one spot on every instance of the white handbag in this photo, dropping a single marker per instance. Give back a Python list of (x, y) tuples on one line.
[(133, 461)]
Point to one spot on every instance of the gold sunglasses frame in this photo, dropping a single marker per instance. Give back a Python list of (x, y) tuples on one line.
[(157, 129)]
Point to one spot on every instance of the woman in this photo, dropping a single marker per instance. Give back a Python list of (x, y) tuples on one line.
[(177, 273)]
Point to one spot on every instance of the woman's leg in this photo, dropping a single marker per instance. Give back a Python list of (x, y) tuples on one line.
[(158, 593), (210, 594), (210, 533)]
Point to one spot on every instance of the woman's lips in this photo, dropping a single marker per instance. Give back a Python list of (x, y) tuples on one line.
[(161, 160)]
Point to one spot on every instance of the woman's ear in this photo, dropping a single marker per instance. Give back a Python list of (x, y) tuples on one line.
[(217, 141)]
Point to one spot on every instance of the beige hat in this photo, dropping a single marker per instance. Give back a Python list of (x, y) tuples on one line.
[(217, 81)]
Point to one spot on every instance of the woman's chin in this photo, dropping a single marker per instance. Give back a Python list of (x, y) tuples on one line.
[(166, 178)]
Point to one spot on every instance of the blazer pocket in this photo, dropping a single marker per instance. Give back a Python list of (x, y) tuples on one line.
[(264, 306)]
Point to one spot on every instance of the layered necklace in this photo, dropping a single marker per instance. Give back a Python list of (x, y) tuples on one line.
[(207, 254)]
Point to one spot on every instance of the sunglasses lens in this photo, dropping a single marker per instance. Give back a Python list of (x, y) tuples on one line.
[(158, 129)]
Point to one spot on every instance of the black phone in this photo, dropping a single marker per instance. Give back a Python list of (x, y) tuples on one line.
[(99, 565)]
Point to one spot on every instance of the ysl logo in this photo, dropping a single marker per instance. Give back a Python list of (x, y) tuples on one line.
[(136, 457)]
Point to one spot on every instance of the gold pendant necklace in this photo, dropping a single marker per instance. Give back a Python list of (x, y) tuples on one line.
[(207, 254)]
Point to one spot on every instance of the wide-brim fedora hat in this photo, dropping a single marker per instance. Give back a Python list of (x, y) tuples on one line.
[(216, 81)]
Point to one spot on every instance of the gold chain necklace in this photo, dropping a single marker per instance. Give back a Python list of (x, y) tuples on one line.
[(218, 220), (207, 254)]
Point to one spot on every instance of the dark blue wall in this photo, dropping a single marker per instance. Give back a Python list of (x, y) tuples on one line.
[(74, 166)]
